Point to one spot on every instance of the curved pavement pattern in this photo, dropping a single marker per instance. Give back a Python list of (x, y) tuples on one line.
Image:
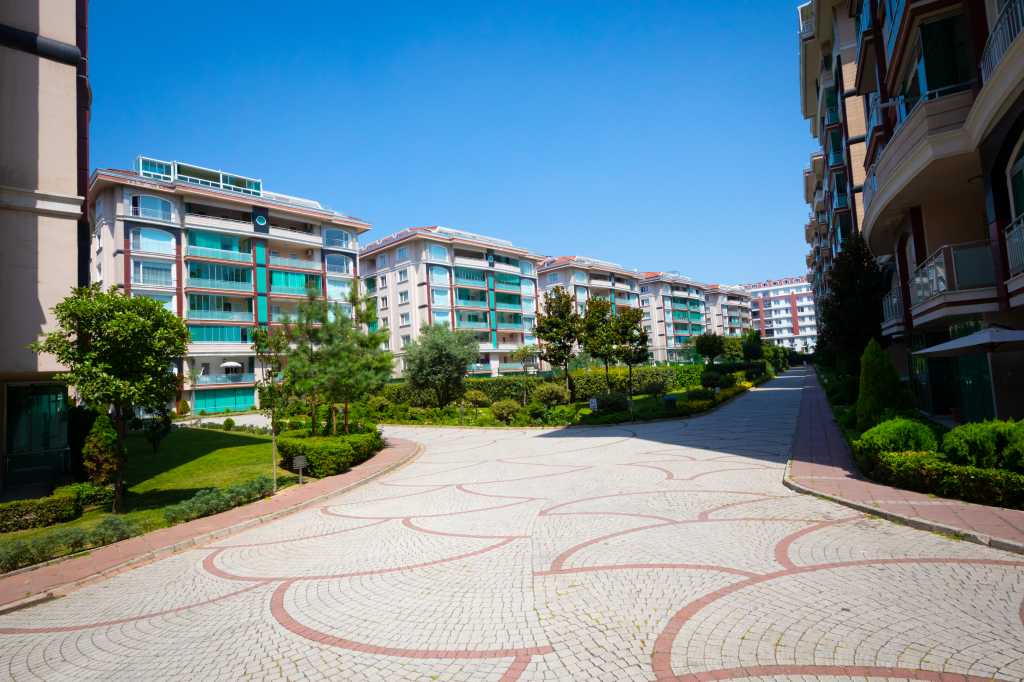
[(666, 550)]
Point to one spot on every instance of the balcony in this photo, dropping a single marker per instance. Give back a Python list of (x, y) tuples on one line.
[(892, 311), (152, 213), (477, 367), (840, 201), (835, 157), (461, 323), (506, 305), (218, 254), (221, 315), (152, 279), (1015, 246), (501, 284), (286, 290), (298, 263), (510, 326), (204, 283), (463, 302), (470, 280), (951, 278), (831, 115), (874, 114), (511, 367), (336, 242), (224, 379), (1006, 29)]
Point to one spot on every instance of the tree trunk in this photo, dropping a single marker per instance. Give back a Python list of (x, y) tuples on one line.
[(120, 424), (273, 454), (569, 385), (630, 390), (345, 408), (607, 379), (334, 420)]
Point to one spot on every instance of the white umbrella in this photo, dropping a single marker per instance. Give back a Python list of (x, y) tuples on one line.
[(989, 340), (231, 363)]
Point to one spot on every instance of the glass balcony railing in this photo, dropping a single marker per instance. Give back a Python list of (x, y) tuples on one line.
[(835, 157), (1007, 28), (510, 326), (839, 201), (225, 315), (831, 114), (510, 367), (290, 262), (461, 323), (508, 305), (501, 284), (335, 242), (874, 113), (222, 379), (478, 367), (863, 23), (470, 280), (293, 290), (156, 279), (221, 254), (892, 305), (954, 267), (204, 283), (1015, 245)]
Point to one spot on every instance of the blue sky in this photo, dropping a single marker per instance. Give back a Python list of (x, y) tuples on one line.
[(661, 135)]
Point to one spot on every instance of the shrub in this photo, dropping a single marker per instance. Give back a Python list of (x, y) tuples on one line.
[(183, 408), (228, 424), (591, 383), (88, 494), (535, 410), (711, 379), (880, 387), (112, 529), (687, 375), (505, 410), (38, 512), (613, 402), (728, 380), (72, 539), (700, 394), (328, 455), (378, 405), (895, 435), (726, 393), (551, 395), (100, 452), (476, 398), (656, 386), (213, 501), (700, 405), (984, 444)]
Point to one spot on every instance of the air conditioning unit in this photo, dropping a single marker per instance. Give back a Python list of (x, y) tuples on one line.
[(309, 252)]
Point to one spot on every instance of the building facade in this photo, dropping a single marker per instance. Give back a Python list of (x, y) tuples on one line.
[(830, 47), (782, 311), (222, 253), (944, 190), (436, 275), (587, 278), (674, 313), (728, 310), (44, 144)]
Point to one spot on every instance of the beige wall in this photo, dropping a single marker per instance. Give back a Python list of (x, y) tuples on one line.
[(953, 221)]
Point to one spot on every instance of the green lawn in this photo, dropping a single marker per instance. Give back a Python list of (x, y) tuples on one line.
[(189, 460)]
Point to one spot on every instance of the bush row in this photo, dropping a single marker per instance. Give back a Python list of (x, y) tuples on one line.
[(65, 504), (985, 445), (215, 500), (59, 542), (327, 455)]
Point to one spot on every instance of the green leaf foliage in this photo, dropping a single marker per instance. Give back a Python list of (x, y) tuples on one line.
[(558, 330), (880, 387), (896, 435), (101, 454), (709, 345), (991, 444), (436, 362)]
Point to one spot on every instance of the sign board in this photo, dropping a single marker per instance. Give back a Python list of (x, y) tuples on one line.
[(593, 404), (299, 461)]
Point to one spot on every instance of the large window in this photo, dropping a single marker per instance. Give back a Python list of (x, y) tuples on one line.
[(166, 300), (437, 252), (338, 289), (219, 334), (153, 273), (339, 264), (293, 282), (146, 206), (340, 239), (152, 240), (439, 297), (438, 275)]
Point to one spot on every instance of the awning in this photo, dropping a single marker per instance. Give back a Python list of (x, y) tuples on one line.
[(993, 339), (231, 363)]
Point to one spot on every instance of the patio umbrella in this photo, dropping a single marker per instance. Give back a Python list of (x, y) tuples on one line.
[(989, 340), (231, 363)]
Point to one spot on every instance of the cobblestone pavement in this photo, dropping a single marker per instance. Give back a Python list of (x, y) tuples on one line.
[(666, 550)]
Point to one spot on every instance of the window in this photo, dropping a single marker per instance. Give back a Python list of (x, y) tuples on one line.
[(437, 252), (385, 322), (155, 273), (339, 264), (338, 289), (401, 254), (403, 275), (442, 317), (152, 240), (438, 275), (383, 280), (383, 302), (338, 238), (405, 319), (551, 278), (381, 261), (439, 297), (526, 267), (219, 334), (403, 297), (146, 206), (164, 299), (406, 340)]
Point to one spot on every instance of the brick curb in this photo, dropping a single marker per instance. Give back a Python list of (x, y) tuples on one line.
[(902, 519), (196, 540)]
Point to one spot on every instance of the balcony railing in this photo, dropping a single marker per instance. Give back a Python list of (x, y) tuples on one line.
[(152, 279), (870, 186), (906, 106), (831, 114), (1015, 245), (224, 315), (892, 305), (471, 324), (1006, 29), (289, 262), (152, 213), (835, 157), (478, 367), (470, 281), (204, 283), (863, 23), (874, 112), (839, 200), (505, 305), (222, 379), (221, 254), (500, 285), (340, 243), (954, 267), (510, 367), (293, 291), (470, 302), (511, 326)]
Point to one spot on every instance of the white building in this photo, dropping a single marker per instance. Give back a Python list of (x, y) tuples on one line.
[(783, 311)]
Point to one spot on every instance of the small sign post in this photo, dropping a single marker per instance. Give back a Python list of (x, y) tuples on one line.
[(593, 404), (299, 462)]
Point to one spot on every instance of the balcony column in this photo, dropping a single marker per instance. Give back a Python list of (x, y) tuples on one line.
[(903, 275)]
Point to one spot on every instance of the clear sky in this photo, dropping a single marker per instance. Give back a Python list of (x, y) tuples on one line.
[(660, 135)]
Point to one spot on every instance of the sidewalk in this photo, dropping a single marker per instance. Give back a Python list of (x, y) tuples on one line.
[(57, 578), (822, 464)]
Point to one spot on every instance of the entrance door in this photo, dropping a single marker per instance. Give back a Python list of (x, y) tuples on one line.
[(37, 434), (975, 388)]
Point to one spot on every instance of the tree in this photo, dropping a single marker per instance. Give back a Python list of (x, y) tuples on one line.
[(752, 346), (880, 387), (272, 347), (303, 369), (354, 362), (732, 349), (558, 330), (631, 343), (709, 345), (598, 334), (119, 352), (437, 361), (527, 355), (851, 313)]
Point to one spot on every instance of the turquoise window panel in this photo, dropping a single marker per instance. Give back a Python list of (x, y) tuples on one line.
[(218, 334), (261, 280), (261, 308), (261, 252), (218, 400)]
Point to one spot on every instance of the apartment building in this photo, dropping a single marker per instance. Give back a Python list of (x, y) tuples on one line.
[(830, 48), (44, 145), (728, 310), (437, 275), (674, 313), (587, 278), (782, 310), (225, 255), (943, 84)]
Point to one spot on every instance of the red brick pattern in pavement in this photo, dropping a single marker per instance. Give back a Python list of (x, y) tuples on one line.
[(121, 555), (822, 463)]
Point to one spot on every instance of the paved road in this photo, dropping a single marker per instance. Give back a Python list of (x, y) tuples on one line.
[(660, 550)]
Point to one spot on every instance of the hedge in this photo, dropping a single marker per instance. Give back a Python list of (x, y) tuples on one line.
[(997, 444), (927, 472), (38, 512), (216, 500), (590, 383), (328, 455), (896, 435)]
